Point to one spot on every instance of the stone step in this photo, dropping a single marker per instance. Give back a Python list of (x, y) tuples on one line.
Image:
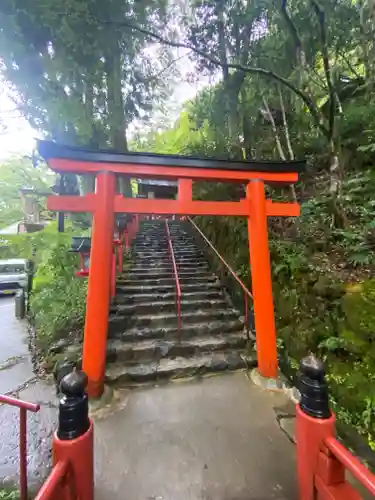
[(164, 281), (146, 242), (167, 305), (165, 288), (152, 267), (149, 350), (187, 330), (148, 297), (157, 238), (143, 248), (185, 266), (163, 237), (182, 251), (180, 367), (157, 247), (120, 322), (166, 266), (187, 252), (144, 341), (179, 261), (166, 257), (154, 273)]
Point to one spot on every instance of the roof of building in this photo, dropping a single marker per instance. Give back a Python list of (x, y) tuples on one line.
[(11, 229), (153, 182), (49, 150)]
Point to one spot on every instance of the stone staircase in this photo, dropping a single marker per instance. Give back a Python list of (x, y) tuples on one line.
[(144, 341)]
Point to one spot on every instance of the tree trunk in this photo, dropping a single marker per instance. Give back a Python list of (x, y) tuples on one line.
[(116, 107), (246, 129), (232, 94), (339, 219)]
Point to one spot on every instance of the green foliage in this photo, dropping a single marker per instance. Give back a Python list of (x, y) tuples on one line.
[(312, 262), (58, 298), (9, 494), (16, 174)]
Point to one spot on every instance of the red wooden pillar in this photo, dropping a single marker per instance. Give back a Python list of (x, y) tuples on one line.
[(98, 295), (261, 280), (185, 190)]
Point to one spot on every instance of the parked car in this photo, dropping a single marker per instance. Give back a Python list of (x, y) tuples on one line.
[(13, 275)]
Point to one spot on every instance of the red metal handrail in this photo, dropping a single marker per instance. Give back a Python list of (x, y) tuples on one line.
[(247, 293), (23, 406), (59, 484), (178, 287), (351, 463)]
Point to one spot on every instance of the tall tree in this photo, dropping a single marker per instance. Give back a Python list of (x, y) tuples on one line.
[(226, 30), (75, 76)]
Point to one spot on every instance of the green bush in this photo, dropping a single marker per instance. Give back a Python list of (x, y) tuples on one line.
[(58, 298), (8, 494), (316, 311)]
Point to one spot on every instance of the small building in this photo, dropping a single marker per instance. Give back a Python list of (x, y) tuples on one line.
[(149, 188), (23, 227)]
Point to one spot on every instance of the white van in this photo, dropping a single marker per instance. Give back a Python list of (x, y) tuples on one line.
[(13, 275)]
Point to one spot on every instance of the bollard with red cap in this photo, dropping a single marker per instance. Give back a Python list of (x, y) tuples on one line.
[(73, 442), (314, 423), (322, 461)]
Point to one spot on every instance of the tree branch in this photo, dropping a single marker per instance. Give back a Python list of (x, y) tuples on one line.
[(285, 124), (274, 130), (327, 68), (246, 69), (293, 30), (350, 65)]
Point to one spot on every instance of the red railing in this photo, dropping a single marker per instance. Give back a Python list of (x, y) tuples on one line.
[(175, 272), (125, 238), (59, 484), (247, 294), (24, 407), (330, 479), (322, 461)]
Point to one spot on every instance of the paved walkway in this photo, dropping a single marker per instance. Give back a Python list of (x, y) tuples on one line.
[(18, 379), (215, 439)]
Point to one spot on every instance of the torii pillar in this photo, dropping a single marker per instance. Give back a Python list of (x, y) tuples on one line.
[(185, 190), (104, 203), (99, 285)]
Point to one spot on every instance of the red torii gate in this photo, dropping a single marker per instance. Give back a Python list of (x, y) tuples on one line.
[(105, 203)]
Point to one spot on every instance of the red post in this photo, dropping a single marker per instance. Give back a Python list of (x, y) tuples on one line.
[(126, 239), (130, 230), (120, 250), (261, 280), (310, 434), (73, 442), (79, 453), (23, 454), (98, 295), (185, 190), (113, 276)]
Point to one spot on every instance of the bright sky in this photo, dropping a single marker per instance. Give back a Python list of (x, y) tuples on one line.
[(18, 137)]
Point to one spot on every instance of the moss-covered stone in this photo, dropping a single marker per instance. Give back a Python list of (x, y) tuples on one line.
[(358, 305), (327, 287)]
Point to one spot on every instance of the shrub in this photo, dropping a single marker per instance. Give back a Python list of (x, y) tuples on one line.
[(58, 298)]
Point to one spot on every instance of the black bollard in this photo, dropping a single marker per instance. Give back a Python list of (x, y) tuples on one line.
[(314, 424), (61, 369), (74, 408), (313, 388)]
